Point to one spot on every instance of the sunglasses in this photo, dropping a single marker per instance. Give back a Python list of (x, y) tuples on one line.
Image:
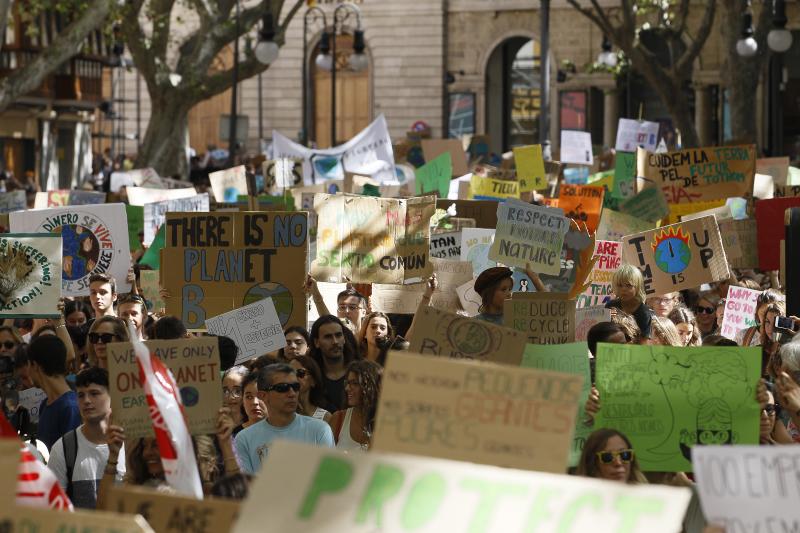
[(283, 388), (301, 373), (9, 345), (772, 408), (94, 338), (626, 456), (700, 310)]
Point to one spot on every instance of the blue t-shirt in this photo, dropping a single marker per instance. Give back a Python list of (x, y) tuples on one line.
[(58, 418), (252, 444)]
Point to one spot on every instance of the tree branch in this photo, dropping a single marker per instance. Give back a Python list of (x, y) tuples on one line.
[(601, 23), (162, 24), (684, 64), (681, 16), (136, 41), (5, 11)]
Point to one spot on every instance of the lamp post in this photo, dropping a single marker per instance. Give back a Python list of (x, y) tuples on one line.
[(323, 61), (544, 90), (779, 40), (358, 60)]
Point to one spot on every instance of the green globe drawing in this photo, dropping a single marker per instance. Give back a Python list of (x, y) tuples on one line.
[(280, 295), (672, 255)]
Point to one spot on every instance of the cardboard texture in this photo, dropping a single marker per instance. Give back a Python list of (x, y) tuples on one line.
[(475, 245), (324, 490), (219, 262), (678, 256), (255, 328), (194, 364), (449, 335), (405, 299), (678, 211), (770, 221), (615, 225), (142, 195), (228, 184), (433, 148), (576, 147), (778, 169), (740, 311), (698, 174), (721, 213), (484, 212), (282, 173), (413, 396), (372, 240), (30, 275), (148, 282), (21, 518), (530, 168), (609, 258), (155, 214), (634, 133), (434, 176), (543, 317), (446, 245), (586, 317), (744, 234), (469, 299), (648, 204), (582, 203), (483, 188)]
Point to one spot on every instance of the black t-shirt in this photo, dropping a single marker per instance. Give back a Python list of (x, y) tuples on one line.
[(334, 393), (643, 315)]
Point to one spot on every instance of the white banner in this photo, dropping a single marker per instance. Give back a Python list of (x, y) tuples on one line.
[(141, 195), (30, 275), (255, 328), (156, 213)]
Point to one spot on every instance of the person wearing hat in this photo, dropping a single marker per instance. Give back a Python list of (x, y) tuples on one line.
[(494, 286)]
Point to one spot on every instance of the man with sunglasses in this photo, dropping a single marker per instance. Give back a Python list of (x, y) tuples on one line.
[(279, 389)]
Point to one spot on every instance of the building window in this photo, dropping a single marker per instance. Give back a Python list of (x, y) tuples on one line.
[(572, 110)]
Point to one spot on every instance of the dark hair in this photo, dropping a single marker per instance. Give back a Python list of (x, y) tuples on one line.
[(718, 340), (136, 472), (92, 375), (362, 334), (317, 392), (369, 374), (234, 486), (350, 351), (21, 357), (104, 278), (74, 306), (601, 332), (303, 332), (227, 352), (130, 298), (347, 293), (266, 373), (168, 328), (50, 354), (20, 323), (587, 465)]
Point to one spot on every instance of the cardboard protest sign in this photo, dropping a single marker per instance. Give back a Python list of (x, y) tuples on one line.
[(141, 195), (446, 245), (778, 169), (156, 213), (229, 184), (763, 186), (615, 225), (282, 173), (469, 299), (485, 188), (624, 175), (721, 213), (78, 197), (582, 203), (13, 201), (433, 148), (576, 243), (449, 335), (152, 256), (576, 147), (484, 212), (135, 214), (678, 212), (22, 518), (740, 310), (668, 399), (648, 204), (747, 488), (586, 317), (609, 258), (255, 328), (323, 490), (698, 174), (678, 256), (741, 233), (222, 261), (55, 198), (406, 298), (414, 402), (475, 245), (170, 512), (195, 364), (543, 317), (770, 221), (636, 133), (148, 282), (434, 176), (572, 358), (95, 241), (530, 168), (30, 275), (372, 240), (31, 399), (529, 234)]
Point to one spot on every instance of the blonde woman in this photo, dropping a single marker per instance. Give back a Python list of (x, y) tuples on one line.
[(627, 283)]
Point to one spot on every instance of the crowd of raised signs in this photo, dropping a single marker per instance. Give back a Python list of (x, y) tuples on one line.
[(571, 328)]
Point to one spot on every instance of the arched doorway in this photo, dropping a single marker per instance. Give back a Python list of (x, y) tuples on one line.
[(512, 94), (353, 97)]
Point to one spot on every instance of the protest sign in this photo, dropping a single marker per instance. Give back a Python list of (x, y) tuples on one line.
[(222, 261), (255, 328), (475, 245), (434, 176), (624, 175), (484, 212), (282, 173), (469, 299), (152, 256), (648, 204), (698, 174), (530, 168), (778, 169), (749, 488), (406, 298), (372, 240), (615, 225), (586, 317), (446, 245), (323, 490), (229, 184), (770, 222), (543, 317), (582, 203), (529, 234), (763, 186), (156, 213), (31, 399), (743, 232), (55, 198), (433, 148), (148, 282), (576, 176), (636, 133), (195, 364), (668, 399), (95, 241), (576, 147), (135, 214), (78, 197), (678, 256), (609, 258), (13, 201), (577, 243), (572, 358), (140, 177), (721, 213), (485, 188), (30, 275), (450, 335), (678, 212), (173, 513), (740, 310), (141, 196), (420, 394), (19, 518)]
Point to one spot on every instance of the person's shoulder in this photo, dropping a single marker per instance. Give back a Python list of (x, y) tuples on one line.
[(312, 423), (612, 303), (249, 432)]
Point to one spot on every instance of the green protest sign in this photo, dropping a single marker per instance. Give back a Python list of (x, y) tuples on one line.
[(668, 399), (152, 256), (648, 204), (434, 176), (572, 358), (135, 225), (624, 174)]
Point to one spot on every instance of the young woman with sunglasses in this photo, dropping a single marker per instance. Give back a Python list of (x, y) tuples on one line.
[(104, 330), (312, 393), (706, 314), (608, 454), (9, 340), (353, 427)]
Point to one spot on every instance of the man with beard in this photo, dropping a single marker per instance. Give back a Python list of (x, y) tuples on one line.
[(332, 351)]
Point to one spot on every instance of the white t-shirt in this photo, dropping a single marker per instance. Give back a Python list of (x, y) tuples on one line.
[(88, 470)]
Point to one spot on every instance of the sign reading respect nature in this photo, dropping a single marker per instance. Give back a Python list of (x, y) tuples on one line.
[(740, 310), (95, 241), (609, 258), (255, 329), (323, 490), (679, 256), (372, 240), (195, 365), (156, 213), (223, 261), (699, 174), (543, 317), (30, 275), (668, 400), (530, 167), (450, 335), (529, 234), (493, 414)]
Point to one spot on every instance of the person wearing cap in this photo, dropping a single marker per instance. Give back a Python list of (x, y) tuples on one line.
[(494, 286)]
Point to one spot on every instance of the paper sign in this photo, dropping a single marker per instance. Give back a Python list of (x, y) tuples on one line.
[(484, 188), (95, 241), (624, 175), (770, 220), (469, 299), (433, 148), (31, 399), (530, 168), (740, 310), (529, 234), (763, 186), (156, 213), (13, 201), (746, 236), (140, 195), (615, 225), (634, 133), (778, 169), (434, 176), (721, 213), (148, 281), (543, 317), (421, 394), (572, 359), (372, 240), (228, 184), (475, 245), (576, 147), (609, 258), (587, 317), (648, 204), (582, 203), (19, 518), (255, 328), (699, 174), (449, 335), (219, 262), (194, 363), (323, 490), (667, 399), (30, 275), (57, 198), (679, 256), (405, 299), (282, 173), (140, 177), (678, 212), (446, 245), (484, 212)]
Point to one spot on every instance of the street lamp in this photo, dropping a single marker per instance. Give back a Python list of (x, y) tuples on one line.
[(779, 39), (323, 61), (358, 60), (607, 57), (747, 46), (267, 49)]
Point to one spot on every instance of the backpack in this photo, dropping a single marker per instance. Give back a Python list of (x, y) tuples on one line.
[(69, 443)]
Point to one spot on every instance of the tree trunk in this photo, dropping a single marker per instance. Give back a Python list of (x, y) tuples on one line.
[(165, 143)]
